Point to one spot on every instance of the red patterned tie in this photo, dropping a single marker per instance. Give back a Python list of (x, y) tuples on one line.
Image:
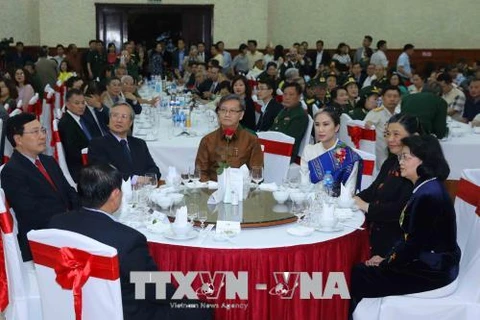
[(44, 172)]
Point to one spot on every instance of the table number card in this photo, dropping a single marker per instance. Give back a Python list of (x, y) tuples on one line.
[(228, 228)]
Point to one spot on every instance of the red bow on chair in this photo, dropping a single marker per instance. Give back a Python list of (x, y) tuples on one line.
[(73, 267), (470, 193), (6, 226), (358, 133)]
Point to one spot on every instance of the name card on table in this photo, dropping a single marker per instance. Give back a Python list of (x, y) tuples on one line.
[(228, 228)]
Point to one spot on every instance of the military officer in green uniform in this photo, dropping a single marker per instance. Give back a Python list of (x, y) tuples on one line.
[(379, 118), (368, 101), (293, 119), (429, 108), (352, 90)]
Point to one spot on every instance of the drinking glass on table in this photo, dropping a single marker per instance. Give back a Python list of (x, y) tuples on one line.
[(257, 175), (185, 176), (195, 175), (298, 210), (202, 217), (192, 212), (150, 181)]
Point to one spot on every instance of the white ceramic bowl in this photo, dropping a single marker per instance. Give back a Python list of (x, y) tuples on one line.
[(176, 197), (280, 196), (181, 230), (298, 196), (164, 202), (328, 223)]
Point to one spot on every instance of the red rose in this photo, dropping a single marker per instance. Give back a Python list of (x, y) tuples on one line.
[(228, 133)]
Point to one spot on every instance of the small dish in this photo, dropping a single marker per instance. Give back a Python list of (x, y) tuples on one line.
[(169, 234), (300, 231)]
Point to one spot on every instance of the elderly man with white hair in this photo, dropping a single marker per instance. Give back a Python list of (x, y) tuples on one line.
[(128, 90)]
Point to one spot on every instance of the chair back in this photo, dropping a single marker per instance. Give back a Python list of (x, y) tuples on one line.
[(57, 253), (369, 171), (18, 284), (467, 208), (343, 132), (306, 136), (85, 156), (361, 137), (277, 152), (59, 154)]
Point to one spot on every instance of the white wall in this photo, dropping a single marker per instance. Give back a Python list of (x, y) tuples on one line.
[(425, 23), (20, 19)]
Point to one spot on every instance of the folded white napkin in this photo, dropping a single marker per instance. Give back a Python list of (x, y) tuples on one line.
[(345, 194), (172, 176), (181, 216), (268, 187), (127, 189), (212, 184), (215, 197)]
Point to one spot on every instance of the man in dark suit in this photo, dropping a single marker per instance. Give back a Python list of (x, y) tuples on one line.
[(179, 55), (203, 56), (75, 132), (319, 57), (270, 107), (34, 183), (128, 154), (99, 188), (210, 86)]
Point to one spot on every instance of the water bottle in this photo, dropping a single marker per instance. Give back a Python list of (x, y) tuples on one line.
[(328, 182), (182, 120), (158, 86)]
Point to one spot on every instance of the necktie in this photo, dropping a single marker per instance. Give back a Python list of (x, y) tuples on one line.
[(44, 173), (212, 88), (83, 124), (126, 151)]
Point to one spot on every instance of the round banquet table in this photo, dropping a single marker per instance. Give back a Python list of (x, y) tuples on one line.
[(261, 252)]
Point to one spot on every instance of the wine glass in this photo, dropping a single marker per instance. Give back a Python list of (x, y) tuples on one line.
[(185, 176), (202, 217), (257, 175), (195, 175), (298, 210), (151, 180), (192, 212)]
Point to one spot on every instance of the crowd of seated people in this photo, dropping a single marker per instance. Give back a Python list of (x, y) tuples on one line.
[(252, 91)]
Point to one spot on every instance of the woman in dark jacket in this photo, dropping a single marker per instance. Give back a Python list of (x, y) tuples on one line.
[(240, 86), (427, 256), (384, 200)]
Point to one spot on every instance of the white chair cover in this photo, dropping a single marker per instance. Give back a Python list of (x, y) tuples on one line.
[(461, 298), (23, 295), (101, 298), (367, 137), (306, 136), (277, 154), (343, 133), (46, 121), (60, 155), (369, 167)]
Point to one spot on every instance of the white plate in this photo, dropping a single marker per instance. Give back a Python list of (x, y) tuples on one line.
[(300, 231), (337, 228), (172, 236), (343, 213)]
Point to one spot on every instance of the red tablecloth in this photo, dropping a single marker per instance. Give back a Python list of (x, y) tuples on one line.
[(337, 255)]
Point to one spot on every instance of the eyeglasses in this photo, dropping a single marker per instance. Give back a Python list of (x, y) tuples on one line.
[(405, 157), (36, 132), (122, 116), (226, 111)]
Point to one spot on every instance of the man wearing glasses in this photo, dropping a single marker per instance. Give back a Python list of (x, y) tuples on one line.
[(128, 154), (230, 145), (34, 184)]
